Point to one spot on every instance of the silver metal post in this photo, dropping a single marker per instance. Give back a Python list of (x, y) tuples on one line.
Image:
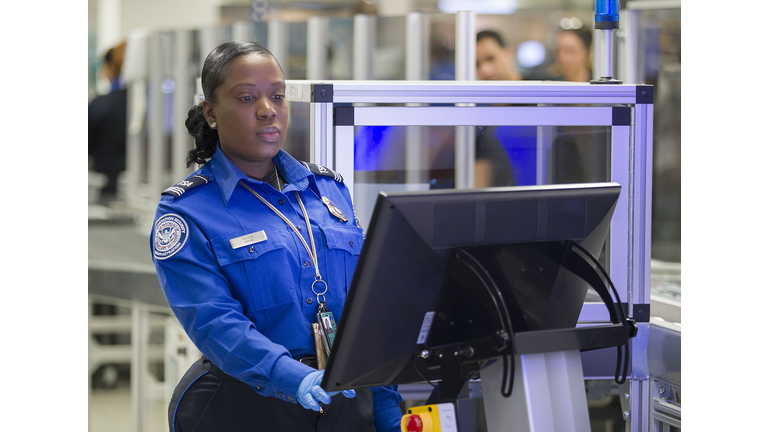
[(135, 75), (242, 31), (363, 45), (547, 394), (156, 156), (608, 50), (465, 71), (465, 46), (139, 367), (209, 39), (415, 54), (632, 54), (277, 42), (317, 45), (416, 46), (182, 94)]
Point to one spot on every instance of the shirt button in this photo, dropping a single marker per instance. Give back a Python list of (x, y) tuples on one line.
[(307, 264), (281, 201), (290, 398), (258, 387), (250, 249), (309, 300), (281, 394), (351, 244)]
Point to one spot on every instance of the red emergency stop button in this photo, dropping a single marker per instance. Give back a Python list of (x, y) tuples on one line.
[(414, 424)]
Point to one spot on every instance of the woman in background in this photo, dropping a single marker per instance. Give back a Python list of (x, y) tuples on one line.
[(573, 59), (579, 152)]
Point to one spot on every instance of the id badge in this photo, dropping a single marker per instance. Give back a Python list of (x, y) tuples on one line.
[(327, 325)]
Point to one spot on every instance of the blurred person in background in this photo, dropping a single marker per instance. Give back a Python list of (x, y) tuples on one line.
[(578, 152), (573, 58), (495, 61), (107, 124)]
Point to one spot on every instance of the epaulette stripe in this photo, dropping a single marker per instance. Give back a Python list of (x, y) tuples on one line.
[(323, 171), (179, 188)]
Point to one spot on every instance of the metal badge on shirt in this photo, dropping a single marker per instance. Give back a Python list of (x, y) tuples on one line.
[(335, 211)]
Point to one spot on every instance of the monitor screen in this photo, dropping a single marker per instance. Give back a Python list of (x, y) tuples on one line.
[(413, 267)]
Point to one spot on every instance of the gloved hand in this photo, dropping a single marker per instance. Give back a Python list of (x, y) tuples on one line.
[(310, 392)]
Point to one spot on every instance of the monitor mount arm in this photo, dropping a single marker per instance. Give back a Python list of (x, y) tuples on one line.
[(474, 322)]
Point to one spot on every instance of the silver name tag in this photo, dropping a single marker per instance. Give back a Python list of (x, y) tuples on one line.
[(248, 239)]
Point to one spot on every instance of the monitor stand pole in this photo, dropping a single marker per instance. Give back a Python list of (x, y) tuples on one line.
[(548, 394), (453, 384)]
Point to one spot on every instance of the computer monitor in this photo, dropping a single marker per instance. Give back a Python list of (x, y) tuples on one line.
[(424, 255)]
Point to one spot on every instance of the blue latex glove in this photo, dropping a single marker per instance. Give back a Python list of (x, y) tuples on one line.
[(310, 394)]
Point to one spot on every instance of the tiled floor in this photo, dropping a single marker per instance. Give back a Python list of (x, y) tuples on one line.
[(109, 410)]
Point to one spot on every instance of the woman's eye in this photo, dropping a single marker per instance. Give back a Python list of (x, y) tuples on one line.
[(278, 97), (246, 98)]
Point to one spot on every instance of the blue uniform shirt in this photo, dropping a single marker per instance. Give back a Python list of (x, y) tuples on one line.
[(250, 307)]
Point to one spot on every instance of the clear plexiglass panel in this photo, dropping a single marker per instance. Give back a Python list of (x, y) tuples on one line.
[(400, 158)]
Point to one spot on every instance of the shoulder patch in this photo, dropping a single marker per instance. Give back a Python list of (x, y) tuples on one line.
[(323, 171), (171, 233), (188, 183)]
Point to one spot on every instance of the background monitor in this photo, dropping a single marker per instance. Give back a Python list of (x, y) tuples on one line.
[(410, 257)]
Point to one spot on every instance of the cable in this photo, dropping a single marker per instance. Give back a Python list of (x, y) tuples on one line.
[(508, 358), (413, 359), (612, 305), (508, 375)]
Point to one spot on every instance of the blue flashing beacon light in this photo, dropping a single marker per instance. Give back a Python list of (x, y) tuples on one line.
[(607, 20), (606, 14)]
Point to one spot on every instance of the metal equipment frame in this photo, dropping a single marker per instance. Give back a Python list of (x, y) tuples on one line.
[(338, 106)]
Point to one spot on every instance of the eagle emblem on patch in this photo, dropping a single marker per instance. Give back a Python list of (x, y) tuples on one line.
[(171, 233)]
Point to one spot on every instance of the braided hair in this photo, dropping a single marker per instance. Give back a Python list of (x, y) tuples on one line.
[(216, 68)]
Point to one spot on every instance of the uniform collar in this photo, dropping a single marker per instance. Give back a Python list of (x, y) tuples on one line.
[(227, 174)]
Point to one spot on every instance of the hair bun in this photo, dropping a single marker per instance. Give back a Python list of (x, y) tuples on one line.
[(205, 137)]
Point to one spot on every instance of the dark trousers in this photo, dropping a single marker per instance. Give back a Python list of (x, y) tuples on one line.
[(206, 399)]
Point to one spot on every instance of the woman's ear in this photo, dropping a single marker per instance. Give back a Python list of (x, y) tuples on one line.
[(210, 116)]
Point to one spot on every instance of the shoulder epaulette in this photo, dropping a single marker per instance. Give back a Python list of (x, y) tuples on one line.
[(323, 171), (188, 183)]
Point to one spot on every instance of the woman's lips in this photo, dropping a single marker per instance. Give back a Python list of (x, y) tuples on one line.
[(269, 133)]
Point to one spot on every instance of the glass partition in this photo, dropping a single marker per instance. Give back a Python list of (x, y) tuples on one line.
[(532, 37), (442, 46), (261, 33), (340, 46), (398, 158), (297, 51), (660, 60), (298, 138), (389, 54)]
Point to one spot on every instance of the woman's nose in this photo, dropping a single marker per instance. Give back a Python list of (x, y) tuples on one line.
[(266, 110)]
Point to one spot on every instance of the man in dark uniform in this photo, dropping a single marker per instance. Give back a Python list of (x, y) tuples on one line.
[(107, 125)]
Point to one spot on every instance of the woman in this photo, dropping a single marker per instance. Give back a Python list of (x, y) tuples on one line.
[(579, 151), (247, 251), (572, 56)]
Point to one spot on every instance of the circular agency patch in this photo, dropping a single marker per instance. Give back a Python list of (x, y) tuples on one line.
[(171, 235)]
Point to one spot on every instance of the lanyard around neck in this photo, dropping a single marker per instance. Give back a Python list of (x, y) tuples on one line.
[(311, 252)]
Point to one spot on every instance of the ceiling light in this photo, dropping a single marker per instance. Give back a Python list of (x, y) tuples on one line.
[(481, 7)]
